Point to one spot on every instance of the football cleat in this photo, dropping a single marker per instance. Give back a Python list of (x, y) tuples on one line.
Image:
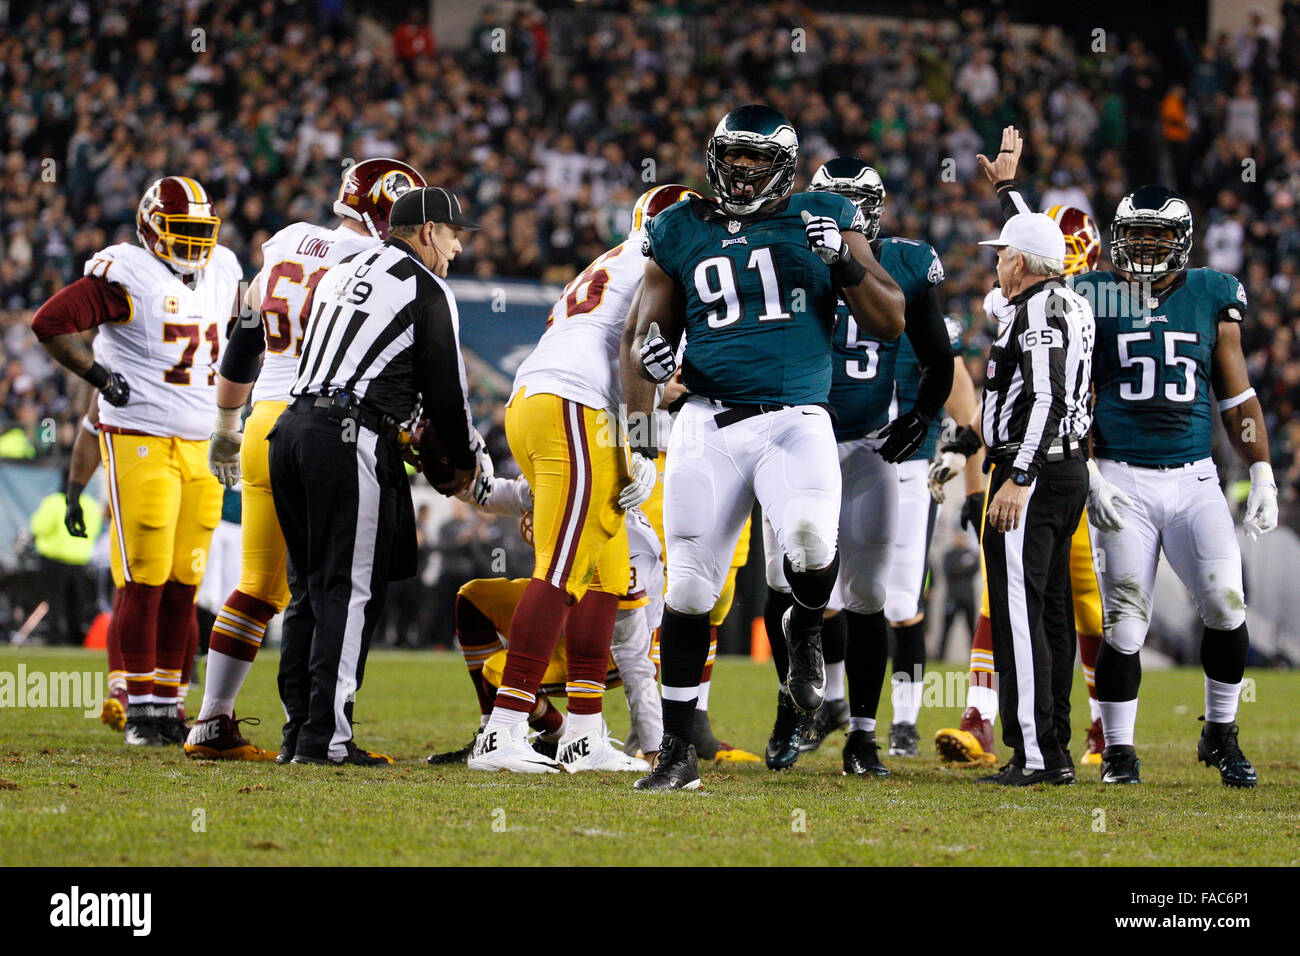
[(676, 769), (113, 712), (783, 745), (970, 745), (833, 715), (219, 738), (807, 671), (1014, 776), (862, 755), (1120, 764), (1218, 748), (1096, 744), (903, 740), (141, 727), (506, 748), (454, 756), (709, 747), (593, 751), (288, 744), (355, 757)]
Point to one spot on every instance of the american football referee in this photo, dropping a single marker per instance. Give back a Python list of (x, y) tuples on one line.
[(1034, 420), (383, 338)]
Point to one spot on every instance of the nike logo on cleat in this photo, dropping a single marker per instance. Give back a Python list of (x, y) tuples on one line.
[(579, 748)]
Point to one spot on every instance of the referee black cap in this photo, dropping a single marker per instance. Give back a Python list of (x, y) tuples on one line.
[(429, 204)]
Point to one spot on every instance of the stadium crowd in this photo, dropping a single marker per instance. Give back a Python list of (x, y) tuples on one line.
[(551, 132)]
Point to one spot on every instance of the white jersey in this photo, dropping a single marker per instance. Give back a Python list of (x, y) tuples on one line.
[(293, 261), (577, 357), (169, 348)]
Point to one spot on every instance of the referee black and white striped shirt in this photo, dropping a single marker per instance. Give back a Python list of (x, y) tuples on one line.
[(385, 329), (1036, 392)]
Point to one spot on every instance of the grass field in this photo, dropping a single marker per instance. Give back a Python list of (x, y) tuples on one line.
[(70, 793)]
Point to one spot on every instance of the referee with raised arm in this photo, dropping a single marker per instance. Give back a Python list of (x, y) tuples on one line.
[(383, 340), (1034, 420)]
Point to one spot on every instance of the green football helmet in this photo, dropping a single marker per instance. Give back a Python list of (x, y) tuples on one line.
[(760, 130), (856, 181)]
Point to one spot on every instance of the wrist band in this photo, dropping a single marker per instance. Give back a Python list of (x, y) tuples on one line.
[(96, 375), (1002, 184), (228, 419), (848, 271), (88, 425), (1236, 400)]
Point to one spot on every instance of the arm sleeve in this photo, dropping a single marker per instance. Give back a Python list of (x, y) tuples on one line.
[(928, 334), (79, 307), (1042, 365), (440, 371), (1012, 202), (242, 356)]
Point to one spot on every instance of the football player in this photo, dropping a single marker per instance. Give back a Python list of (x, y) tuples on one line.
[(161, 308), (971, 743), (564, 425), (261, 358), (753, 278), (1168, 336), (864, 380)]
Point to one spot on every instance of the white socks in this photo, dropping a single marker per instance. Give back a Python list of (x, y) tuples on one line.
[(702, 700), (225, 677), (835, 681), (1220, 701), (985, 700), (576, 725), (503, 717), (1118, 719), (862, 723), (906, 698)]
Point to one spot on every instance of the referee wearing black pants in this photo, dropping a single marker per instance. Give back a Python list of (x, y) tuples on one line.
[(382, 340), (1035, 415)]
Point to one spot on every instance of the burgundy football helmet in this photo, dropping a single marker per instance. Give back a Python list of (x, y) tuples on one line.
[(370, 188), (175, 221), (1082, 239), (656, 200)]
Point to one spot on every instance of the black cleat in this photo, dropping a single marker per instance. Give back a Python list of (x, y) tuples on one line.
[(676, 768), (547, 748), (455, 756), (142, 731), (1218, 748), (172, 729), (355, 757), (903, 741), (1014, 776), (833, 715), (288, 744), (862, 755), (1120, 764), (783, 745), (807, 673)]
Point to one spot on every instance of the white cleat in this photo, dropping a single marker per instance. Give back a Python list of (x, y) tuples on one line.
[(593, 751), (506, 748)]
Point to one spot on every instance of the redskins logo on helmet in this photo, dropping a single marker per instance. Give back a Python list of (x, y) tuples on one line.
[(656, 200), (176, 223), (369, 189), (1082, 239)]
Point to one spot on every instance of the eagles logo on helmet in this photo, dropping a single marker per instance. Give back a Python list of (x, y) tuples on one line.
[(852, 178), (369, 189), (1151, 209), (176, 223), (1082, 239), (755, 129)]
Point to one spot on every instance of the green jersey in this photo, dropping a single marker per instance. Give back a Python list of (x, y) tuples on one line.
[(866, 368), (760, 305), (1152, 363), (909, 379)]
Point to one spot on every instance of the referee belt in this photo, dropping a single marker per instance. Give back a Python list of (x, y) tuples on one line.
[(383, 425), (1058, 450)]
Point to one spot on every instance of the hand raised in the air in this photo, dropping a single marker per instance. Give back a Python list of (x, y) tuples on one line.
[(1003, 165), (657, 356), (824, 237)]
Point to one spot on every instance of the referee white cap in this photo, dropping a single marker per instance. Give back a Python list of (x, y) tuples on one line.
[(1032, 232)]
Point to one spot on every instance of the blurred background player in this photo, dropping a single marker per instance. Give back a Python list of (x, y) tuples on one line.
[(1168, 336), (261, 358), (162, 310), (870, 443), (971, 742), (724, 273), (564, 425)]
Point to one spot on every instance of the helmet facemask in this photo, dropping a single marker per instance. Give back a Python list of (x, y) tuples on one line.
[(742, 187), (185, 241), (1135, 247)]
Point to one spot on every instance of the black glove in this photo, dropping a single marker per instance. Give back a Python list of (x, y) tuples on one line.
[(117, 392), (965, 441), (903, 436), (972, 512), (73, 519)]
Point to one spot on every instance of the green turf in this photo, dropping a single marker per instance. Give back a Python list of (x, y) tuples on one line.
[(70, 793)]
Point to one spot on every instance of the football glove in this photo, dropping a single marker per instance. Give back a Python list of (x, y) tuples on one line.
[(944, 469), (73, 519), (116, 391), (903, 436), (645, 473), (1106, 503), (824, 237), (1261, 503), (972, 512), (480, 489), (657, 356), (223, 448)]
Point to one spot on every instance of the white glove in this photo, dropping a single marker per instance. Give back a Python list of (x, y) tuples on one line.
[(480, 489), (224, 445), (1261, 503), (944, 469), (997, 307), (657, 356), (637, 491), (1105, 501), (824, 237)]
